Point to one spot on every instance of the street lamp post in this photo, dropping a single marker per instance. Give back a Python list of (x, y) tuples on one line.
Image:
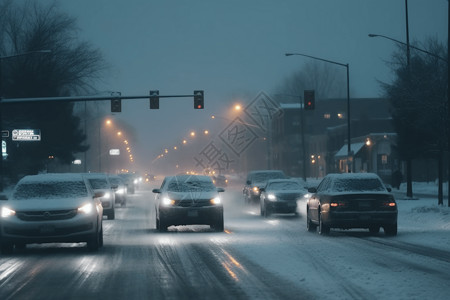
[(1, 96), (349, 150)]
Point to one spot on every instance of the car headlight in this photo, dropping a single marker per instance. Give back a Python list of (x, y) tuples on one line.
[(120, 191), (86, 209), (216, 200), (6, 212), (107, 195), (272, 197), (136, 181), (167, 201), (255, 190)]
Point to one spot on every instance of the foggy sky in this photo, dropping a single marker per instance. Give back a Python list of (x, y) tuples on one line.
[(235, 48)]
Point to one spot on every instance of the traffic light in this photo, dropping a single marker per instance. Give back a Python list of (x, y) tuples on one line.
[(199, 100), (116, 105), (309, 100), (154, 99)]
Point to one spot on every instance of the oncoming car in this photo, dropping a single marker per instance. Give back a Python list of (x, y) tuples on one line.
[(100, 183), (256, 180), (351, 201), (51, 208), (280, 196), (188, 200)]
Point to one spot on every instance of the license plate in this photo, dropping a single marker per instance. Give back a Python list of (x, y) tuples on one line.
[(193, 213)]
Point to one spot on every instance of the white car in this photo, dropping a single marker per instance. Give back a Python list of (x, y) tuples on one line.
[(51, 208), (100, 183)]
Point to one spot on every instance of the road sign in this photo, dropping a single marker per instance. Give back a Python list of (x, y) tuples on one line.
[(26, 135), (114, 151)]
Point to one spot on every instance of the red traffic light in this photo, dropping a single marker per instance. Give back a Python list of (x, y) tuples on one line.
[(199, 99), (309, 100)]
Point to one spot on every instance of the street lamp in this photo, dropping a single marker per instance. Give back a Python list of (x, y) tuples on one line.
[(349, 151), (1, 96)]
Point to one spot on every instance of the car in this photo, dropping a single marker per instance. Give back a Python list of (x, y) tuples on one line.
[(256, 180), (100, 183), (50, 208), (130, 181), (280, 196), (220, 180), (120, 189), (188, 200), (351, 200)]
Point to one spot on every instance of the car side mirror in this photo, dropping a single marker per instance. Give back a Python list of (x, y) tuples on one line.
[(3, 197), (262, 189), (156, 191), (389, 189), (312, 190), (114, 186), (220, 190), (248, 182)]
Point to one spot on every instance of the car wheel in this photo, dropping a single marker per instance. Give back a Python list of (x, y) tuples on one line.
[(94, 243), (323, 229), (6, 248), (112, 215), (310, 225), (162, 226), (267, 211), (218, 226), (390, 230), (261, 208), (374, 229)]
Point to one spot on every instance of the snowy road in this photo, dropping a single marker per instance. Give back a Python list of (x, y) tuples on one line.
[(254, 258)]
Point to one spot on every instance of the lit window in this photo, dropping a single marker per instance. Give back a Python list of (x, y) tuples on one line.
[(340, 116), (327, 116), (384, 159)]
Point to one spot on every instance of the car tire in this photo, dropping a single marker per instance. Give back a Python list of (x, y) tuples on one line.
[(93, 244), (6, 248), (112, 215), (218, 226), (162, 226), (261, 209), (374, 229), (323, 229), (390, 230), (310, 226), (267, 211)]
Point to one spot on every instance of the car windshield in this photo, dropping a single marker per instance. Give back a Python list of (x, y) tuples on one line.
[(284, 186), (98, 183), (50, 190), (116, 181), (259, 177), (358, 185), (193, 185)]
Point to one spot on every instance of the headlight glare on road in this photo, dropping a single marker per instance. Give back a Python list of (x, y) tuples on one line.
[(216, 201), (6, 212), (271, 197), (167, 201), (86, 209)]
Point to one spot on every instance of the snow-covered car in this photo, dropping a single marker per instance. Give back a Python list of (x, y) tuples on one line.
[(100, 183), (280, 196), (120, 189), (130, 180), (51, 208), (188, 200), (351, 200), (256, 180)]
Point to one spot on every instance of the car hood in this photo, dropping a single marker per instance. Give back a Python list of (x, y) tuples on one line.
[(46, 204), (192, 195)]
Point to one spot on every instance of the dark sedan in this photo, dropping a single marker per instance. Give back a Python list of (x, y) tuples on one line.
[(188, 200), (280, 196), (352, 201)]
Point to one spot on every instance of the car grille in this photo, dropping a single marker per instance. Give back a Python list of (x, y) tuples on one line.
[(46, 215), (193, 203)]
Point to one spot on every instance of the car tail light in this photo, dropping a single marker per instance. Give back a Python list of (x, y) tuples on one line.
[(339, 204)]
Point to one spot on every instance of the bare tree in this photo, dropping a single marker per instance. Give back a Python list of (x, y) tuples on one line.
[(70, 69)]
